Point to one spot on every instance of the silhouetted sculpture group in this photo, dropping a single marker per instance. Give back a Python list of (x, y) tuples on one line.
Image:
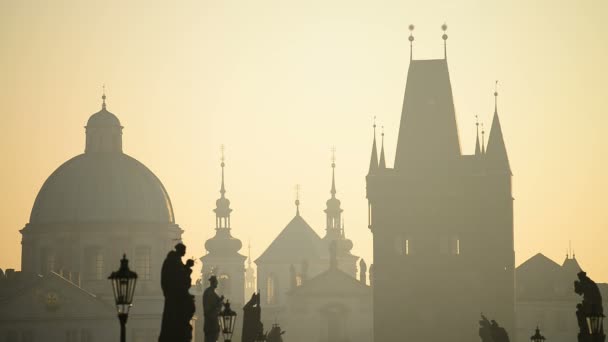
[(490, 331), (175, 282)]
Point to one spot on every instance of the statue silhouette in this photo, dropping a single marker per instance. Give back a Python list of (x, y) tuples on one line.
[(252, 314), (212, 305), (490, 331), (179, 307), (591, 305), (275, 334)]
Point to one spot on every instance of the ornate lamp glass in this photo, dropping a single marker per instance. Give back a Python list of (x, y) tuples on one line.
[(123, 284), (594, 323), (227, 321), (537, 337)]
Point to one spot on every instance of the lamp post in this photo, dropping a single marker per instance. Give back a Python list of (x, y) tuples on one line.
[(537, 337), (227, 321), (123, 285)]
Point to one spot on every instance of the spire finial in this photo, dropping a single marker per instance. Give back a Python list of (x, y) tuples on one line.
[(496, 97), (483, 140), (103, 96), (477, 147), (382, 163), (222, 164), (298, 199), (411, 39), (333, 172), (444, 27), (374, 127), (249, 253)]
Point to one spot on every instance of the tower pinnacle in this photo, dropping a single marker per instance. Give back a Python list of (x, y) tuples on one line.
[(222, 205), (373, 163), (477, 148), (382, 159), (444, 27), (483, 139), (411, 39), (103, 97)]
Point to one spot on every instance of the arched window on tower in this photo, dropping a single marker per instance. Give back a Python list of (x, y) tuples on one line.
[(270, 289), (299, 279), (403, 245), (224, 284), (143, 262), (47, 261), (99, 274), (455, 245)]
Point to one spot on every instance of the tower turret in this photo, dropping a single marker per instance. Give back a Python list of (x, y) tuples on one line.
[(497, 152)]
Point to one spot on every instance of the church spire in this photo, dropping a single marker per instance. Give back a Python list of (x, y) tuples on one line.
[(497, 151), (477, 147), (373, 163), (333, 211), (222, 209), (382, 160)]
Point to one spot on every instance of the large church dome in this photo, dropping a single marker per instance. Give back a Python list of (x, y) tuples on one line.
[(102, 188), (103, 184)]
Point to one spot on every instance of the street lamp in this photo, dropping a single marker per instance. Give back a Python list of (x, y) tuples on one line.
[(227, 321), (123, 285), (594, 323), (537, 337)]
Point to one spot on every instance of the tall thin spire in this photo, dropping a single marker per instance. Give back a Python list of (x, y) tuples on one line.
[(477, 148), (103, 96), (333, 172), (373, 163), (382, 159), (222, 164), (249, 254), (444, 27), (411, 39)]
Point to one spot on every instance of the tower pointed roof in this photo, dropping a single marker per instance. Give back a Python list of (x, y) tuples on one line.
[(373, 163), (497, 151), (382, 164), (477, 147), (428, 110), (296, 242)]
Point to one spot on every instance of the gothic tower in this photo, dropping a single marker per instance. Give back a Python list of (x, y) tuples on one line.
[(442, 222), (223, 259)]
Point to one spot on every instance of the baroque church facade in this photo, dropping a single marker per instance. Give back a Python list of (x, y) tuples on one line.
[(442, 221)]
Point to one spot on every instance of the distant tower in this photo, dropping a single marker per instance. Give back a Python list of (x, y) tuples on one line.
[(249, 276), (442, 222), (334, 230), (223, 258)]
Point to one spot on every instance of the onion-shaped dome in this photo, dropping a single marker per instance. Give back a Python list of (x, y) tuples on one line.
[(223, 243)]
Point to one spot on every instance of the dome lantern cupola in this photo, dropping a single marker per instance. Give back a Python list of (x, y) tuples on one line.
[(104, 132)]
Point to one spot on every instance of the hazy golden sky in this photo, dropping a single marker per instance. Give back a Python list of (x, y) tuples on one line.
[(280, 82)]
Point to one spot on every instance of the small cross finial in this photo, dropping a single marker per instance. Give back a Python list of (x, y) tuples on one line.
[(222, 156), (444, 27), (476, 120), (103, 96), (496, 96), (297, 199), (411, 39), (333, 156)]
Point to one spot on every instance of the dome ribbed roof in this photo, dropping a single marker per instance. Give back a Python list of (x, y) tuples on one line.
[(102, 187)]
